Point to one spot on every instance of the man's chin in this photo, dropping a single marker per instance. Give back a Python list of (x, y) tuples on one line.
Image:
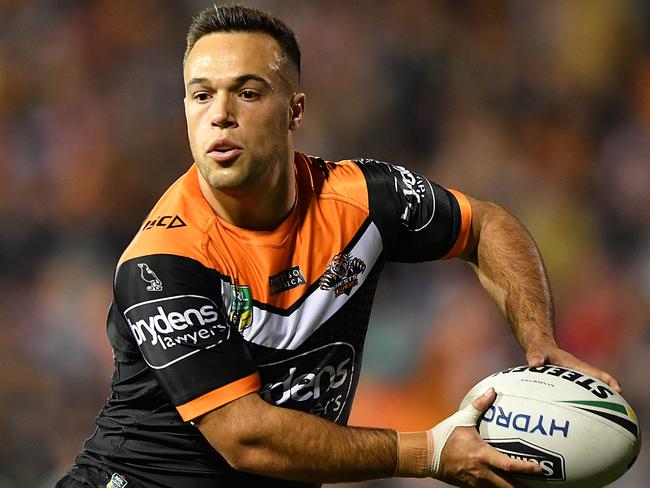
[(228, 183), (218, 177)]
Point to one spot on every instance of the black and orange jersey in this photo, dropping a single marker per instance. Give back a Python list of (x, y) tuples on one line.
[(205, 312)]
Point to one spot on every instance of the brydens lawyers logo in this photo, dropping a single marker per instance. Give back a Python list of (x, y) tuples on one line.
[(150, 277), (317, 381), (341, 274), (171, 329), (552, 463)]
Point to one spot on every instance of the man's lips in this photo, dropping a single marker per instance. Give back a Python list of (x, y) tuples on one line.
[(225, 155), (224, 150)]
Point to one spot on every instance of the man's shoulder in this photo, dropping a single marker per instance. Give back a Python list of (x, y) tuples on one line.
[(177, 224), (342, 180), (342, 169)]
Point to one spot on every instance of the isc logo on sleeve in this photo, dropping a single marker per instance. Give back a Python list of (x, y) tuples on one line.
[(168, 330)]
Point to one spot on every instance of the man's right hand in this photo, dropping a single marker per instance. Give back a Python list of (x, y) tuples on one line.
[(467, 460)]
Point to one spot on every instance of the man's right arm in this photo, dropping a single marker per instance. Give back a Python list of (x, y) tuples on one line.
[(256, 437), (173, 309)]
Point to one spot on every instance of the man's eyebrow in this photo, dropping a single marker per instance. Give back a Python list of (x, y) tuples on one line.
[(240, 80), (197, 81)]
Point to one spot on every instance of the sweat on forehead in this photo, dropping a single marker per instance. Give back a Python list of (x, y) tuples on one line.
[(224, 53)]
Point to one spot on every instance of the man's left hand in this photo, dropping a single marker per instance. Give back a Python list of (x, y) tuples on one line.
[(552, 354)]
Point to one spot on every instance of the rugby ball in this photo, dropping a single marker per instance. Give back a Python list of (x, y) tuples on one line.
[(581, 432)]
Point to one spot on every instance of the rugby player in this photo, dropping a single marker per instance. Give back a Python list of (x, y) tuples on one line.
[(241, 306)]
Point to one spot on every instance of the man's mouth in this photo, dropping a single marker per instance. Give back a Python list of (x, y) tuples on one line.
[(224, 150)]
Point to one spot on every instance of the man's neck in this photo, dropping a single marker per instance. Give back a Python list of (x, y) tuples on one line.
[(261, 208)]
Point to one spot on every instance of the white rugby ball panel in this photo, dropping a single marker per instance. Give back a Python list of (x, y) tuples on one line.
[(553, 383), (580, 431)]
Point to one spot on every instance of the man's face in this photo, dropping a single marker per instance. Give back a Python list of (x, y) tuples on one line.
[(240, 104)]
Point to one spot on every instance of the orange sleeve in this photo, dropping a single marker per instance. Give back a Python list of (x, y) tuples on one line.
[(465, 225), (219, 397)]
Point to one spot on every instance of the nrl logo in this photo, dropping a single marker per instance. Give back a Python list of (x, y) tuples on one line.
[(341, 274), (241, 306)]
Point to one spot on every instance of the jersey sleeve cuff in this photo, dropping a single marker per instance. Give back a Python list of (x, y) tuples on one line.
[(465, 225), (219, 397)]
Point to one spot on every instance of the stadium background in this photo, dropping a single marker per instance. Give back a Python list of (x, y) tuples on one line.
[(541, 106)]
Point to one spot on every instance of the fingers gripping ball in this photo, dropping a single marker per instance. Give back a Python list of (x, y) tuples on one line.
[(439, 435)]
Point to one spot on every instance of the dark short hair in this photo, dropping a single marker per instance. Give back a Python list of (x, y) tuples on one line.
[(238, 18)]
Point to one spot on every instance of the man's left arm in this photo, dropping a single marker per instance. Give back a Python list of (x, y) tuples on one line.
[(509, 266)]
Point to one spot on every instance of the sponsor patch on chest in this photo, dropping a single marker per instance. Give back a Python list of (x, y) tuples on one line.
[(286, 280), (318, 381)]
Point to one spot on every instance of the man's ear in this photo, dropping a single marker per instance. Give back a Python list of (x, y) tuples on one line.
[(296, 110)]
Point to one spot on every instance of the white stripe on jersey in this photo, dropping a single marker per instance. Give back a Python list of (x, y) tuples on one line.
[(289, 332)]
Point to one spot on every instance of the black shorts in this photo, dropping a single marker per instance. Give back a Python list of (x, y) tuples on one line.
[(93, 477), (101, 476)]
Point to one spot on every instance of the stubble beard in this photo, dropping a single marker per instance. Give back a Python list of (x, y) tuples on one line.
[(244, 178)]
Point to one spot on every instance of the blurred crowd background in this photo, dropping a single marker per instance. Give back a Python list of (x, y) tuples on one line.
[(542, 106)]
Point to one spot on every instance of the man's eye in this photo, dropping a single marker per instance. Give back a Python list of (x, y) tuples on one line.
[(249, 95), (202, 97)]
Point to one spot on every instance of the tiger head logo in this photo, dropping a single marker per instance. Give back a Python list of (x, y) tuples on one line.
[(341, 274)]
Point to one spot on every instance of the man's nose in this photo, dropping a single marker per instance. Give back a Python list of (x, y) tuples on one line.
[(223, 115)]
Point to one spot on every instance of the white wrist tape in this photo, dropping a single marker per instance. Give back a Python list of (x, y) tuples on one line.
[(467, 417)]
